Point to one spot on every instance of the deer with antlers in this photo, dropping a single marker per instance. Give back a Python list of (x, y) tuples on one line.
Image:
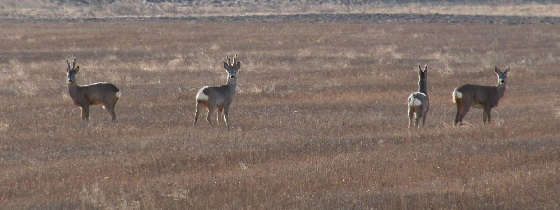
[(219, 97), (103, 93), (419, 102)]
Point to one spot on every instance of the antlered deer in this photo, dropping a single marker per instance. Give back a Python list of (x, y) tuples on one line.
[(219, 97), (478, 96), (419, 102), (83, 96)]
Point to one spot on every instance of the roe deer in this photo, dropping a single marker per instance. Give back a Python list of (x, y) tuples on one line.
[(419, 102), (478, 96), (83, 96), (220, 97)]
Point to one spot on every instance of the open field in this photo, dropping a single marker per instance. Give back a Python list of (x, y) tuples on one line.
[(189, 8), (319, 121)]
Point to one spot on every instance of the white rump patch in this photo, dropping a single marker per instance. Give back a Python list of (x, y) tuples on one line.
[(200, 96), (118, 94), (457, 94), (416, 102)]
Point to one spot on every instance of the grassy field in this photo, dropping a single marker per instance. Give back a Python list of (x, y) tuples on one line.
[(319, 121), (187, 8)]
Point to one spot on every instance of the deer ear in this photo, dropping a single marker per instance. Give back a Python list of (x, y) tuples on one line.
[(237, 65), (69, 67), (497, 70), (426, 68), (420, 68), (507, 70)]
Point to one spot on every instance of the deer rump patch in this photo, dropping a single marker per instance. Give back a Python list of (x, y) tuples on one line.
[(416, 99), (202, 94)]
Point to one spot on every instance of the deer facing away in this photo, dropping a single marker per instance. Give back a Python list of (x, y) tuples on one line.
[(419, 102), (83, 96), (478, 96), (219, 97)]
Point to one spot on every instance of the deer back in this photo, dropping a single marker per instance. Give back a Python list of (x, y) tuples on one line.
[(97, 93), (480, 95), (220, 95)]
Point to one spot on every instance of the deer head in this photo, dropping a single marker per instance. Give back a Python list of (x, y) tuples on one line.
[(72, 70), (232, 65), (502, 76), (423, 79), (422, 73)]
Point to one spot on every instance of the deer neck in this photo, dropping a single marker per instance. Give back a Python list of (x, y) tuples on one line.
[(72, 85), (501, 90), (423, 86), (231, 84), (73, 88)]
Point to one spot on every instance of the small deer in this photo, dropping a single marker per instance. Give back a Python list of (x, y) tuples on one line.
[(478, 96), (219, 97), (419, 102), (83, 96)]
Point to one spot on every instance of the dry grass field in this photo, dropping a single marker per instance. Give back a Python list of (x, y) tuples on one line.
[(319, 121), (188, 8)]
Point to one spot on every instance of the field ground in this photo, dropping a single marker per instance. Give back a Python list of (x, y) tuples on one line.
[(319, 121)]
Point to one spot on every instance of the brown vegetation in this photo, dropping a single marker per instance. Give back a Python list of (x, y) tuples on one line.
[(319, 120), (189, 8)]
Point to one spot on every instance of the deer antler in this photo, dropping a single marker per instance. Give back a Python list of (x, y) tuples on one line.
[(74, 63), (237, 63), (68, 63)]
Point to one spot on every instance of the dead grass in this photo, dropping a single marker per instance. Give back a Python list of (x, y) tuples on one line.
[(319, 121)]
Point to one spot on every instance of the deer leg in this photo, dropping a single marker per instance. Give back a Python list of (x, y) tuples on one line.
[(424, 119), (209, 114), (466, 106), (85, 113), (488, 117), (196, 113), (226, 117), (219, 114), (113, 114), (111, 109), (464, 112), (410, 116), (417, 120), (458, 114)]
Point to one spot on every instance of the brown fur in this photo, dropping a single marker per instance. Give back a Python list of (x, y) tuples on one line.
[(417, 112), (219, 98), (478, 96), (102, 93)]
